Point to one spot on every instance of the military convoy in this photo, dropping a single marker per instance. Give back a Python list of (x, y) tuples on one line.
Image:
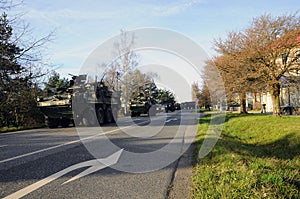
[(89, 104), (82, 103)]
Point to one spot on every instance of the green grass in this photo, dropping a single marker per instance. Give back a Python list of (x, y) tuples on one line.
[(257, 156), (20, 128)]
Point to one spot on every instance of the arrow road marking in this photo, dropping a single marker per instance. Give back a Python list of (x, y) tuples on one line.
[(169, 120), (95, 165)]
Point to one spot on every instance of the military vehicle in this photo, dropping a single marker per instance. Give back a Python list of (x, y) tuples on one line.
[(82, 103), (145, 101), (169, 107)]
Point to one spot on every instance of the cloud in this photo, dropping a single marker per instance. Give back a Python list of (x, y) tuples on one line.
[(98, 11), (67, 14), (174, 8)]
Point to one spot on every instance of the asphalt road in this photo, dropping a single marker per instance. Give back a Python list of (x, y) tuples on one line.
[(132, 159)]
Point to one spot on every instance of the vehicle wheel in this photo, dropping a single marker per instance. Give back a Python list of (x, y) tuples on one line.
[(132, 114), (100, 115), (108, 115), (52, 122), (89, 118), (65, 123)]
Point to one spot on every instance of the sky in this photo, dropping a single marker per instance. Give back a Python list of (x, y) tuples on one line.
[(82, 26)]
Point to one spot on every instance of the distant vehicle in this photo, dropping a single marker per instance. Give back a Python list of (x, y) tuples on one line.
[(87, 103), (169, 107), (145, 102)]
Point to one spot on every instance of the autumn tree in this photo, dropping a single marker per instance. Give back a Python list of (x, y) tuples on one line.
[(261, 55), (195, 91), (272, 49), (213, 80), (204, 97)]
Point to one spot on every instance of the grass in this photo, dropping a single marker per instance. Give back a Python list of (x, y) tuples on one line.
[(257, 156), (10, 129)]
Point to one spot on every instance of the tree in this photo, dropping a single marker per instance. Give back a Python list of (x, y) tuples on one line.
[(204, 97), (137, 80), (195, 91), (273, 51), (262, 55), (237, 73), (55, 81), (165, 96), (121, 71), (19, 68), (214, 81)]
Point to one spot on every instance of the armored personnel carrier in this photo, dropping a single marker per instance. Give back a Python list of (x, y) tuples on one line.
[(82, 103), (145, 101)]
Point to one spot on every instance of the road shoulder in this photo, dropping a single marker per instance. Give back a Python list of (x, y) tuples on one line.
[(182, 179)]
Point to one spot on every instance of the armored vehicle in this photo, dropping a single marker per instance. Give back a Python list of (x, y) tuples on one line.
[(145, 101), (82, 103), (169, 107)]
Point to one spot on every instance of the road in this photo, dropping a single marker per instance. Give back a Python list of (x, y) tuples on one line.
[(132, 159)]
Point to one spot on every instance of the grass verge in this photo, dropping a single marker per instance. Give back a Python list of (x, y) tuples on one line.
[(20, 128), (257, 156)]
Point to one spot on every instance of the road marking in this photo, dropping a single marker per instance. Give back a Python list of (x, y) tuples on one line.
[(2, 146), (94, 165), (169, 120), (67, 143)]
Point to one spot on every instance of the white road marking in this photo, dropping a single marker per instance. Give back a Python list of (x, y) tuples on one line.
[(95, 165), (65, 144), (169, 120), (2, 146)]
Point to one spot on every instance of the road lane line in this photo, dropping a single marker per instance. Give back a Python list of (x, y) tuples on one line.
[(2, 146), (38, 151), (65, 144)]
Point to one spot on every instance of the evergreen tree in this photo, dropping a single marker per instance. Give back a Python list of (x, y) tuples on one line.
[(10, 70), (17, 74)]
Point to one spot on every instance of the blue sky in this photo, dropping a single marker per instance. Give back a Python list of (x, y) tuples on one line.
[(80, 26)]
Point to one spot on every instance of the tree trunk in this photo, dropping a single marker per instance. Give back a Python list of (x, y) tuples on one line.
[(243, 107), (275, 92)]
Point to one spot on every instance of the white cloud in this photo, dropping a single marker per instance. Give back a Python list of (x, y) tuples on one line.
[(174, 8), (75, 12)]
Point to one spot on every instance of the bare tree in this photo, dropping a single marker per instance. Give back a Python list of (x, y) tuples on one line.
[(8, 4), (119, 75), (195, 91)]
